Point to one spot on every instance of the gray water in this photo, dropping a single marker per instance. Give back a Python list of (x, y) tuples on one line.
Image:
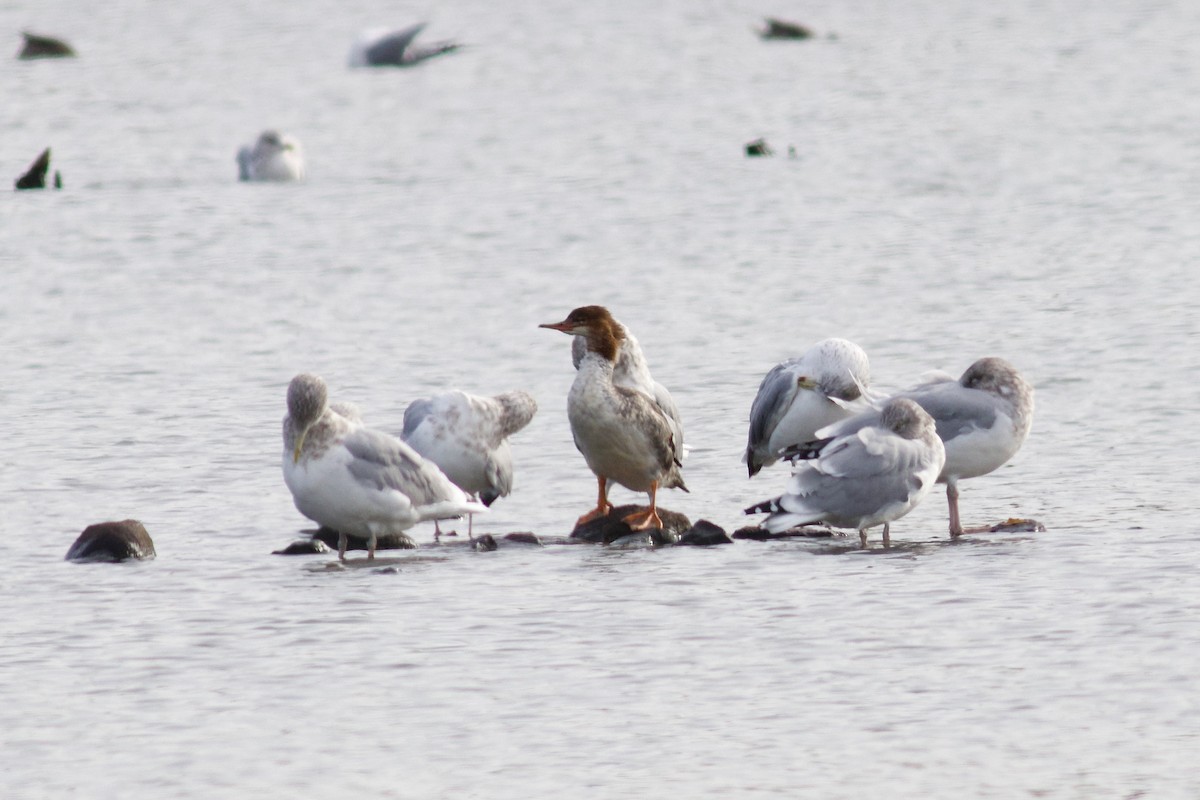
[(1014, 178)]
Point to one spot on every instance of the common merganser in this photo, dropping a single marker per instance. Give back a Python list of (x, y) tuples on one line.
[(355, 480), (872, 475), (467, 437), (623, 434), (274, 157), (982, 418), (799, 396), (631, 369)]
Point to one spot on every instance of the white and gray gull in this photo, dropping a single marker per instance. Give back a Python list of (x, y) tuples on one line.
[(871, 475), (982, 418), (799, 396), (355, 480), (466, 435), (623, 434), (274, 157)]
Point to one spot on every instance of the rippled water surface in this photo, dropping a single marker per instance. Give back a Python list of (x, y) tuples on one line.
[(970, 179)]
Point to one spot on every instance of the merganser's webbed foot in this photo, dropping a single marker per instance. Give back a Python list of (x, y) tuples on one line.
[(644, 520), (595, 513)]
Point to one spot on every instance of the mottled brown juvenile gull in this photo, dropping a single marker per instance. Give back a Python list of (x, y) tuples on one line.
[(802, 395), (355, 480), (274, 157), (466, 435), (872, 475), (982, 418), (623, 434)]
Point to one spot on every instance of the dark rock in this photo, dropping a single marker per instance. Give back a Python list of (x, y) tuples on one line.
[(484, 544), (781, 29), (35, 176), (1016, 526), (391, 541), (761, 535), (303, 547), (759, 147), (611, 526), (36, 46), (704, 534), (523, 537), (112, 541)]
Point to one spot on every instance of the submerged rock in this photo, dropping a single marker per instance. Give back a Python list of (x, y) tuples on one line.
[(36, 46), (523, 537), (1013, 526), (611, 527), (112, 541), (704, 534), (804, 532), (484, 544), (391, 541), (303, 547)]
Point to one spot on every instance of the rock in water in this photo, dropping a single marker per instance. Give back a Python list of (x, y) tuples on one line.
[(704, 534), (112, 541), (611, 526), (387, 541)]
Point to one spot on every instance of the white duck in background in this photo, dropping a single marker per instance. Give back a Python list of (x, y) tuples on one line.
[(623, 434), (355, 480), (274, 157), (871, 475), (467, 437), (799, 396)]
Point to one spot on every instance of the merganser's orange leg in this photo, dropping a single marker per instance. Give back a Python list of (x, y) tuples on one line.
[(602, 504), (649, 519)]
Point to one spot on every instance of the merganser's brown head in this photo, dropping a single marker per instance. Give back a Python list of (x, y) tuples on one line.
[(596, 325)]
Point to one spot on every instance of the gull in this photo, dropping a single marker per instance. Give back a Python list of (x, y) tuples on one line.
[(466, 435), (799, 396), (871, 475), (274, 157), (356, 480), (388, 48)]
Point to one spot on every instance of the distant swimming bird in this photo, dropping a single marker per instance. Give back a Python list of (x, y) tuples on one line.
[(982, 418), (356, 480), (274, 157), (623, 434), (390, 48), (632, 371), (782, 29), (801, 395), (870, 476), (35, 176), (467, 437), (36, 46)]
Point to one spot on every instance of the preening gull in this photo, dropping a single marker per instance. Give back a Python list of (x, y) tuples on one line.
[(467, 437), (391, 48), (623, 433), (982, 418), (802, 395), (355, 480), (872, 475), (274, 157), (631, 370)]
